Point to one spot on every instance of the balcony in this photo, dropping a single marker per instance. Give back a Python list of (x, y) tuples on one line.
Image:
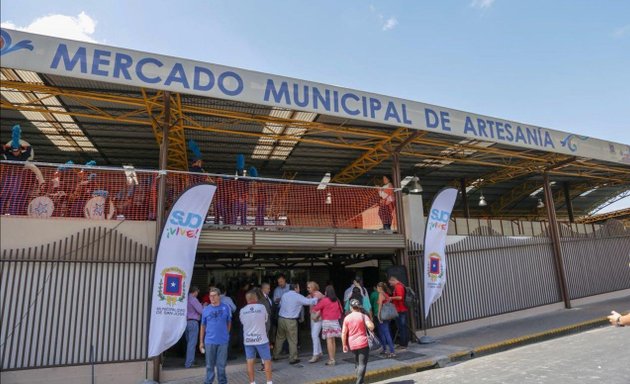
[(246, 213)]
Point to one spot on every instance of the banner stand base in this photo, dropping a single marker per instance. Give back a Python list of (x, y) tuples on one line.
[(427, 340)]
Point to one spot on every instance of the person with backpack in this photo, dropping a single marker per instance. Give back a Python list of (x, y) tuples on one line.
[(398, 298)]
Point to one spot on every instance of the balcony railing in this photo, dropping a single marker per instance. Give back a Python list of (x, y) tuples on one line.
[(43, 190)]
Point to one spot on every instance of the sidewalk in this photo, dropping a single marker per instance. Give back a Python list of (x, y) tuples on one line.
[(449, 348)]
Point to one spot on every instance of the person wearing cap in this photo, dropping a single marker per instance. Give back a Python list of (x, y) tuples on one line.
[(354, 337)]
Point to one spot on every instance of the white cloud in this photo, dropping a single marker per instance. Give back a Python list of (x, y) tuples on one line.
[(390, 23), (80, 27), (621, 31), (481, 3), (386, 25)]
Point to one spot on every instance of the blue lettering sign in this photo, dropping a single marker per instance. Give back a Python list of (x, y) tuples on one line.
[(69, 64), (278, 95), (140, 69), (441, 216), (99, 60), (190, 220), (344, 105), (122, 62), (431, 118), (223, 81), (209, 81)]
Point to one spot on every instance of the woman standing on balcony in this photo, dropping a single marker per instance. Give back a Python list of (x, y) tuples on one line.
[(386, 204)]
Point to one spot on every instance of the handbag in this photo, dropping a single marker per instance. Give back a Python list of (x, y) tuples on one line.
[(388, 311), (373, 341)]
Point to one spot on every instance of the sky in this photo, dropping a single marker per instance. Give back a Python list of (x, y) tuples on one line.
[(562, 65)]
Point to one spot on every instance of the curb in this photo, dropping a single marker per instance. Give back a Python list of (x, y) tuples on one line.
[(537, 337), (488, 349)]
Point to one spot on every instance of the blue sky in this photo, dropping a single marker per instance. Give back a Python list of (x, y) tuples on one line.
[(561, 64)]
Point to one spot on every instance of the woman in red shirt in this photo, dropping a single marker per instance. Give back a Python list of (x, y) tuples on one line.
[(330, 313), (354, 337)]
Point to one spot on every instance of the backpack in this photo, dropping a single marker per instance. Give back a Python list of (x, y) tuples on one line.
[(411, 299)]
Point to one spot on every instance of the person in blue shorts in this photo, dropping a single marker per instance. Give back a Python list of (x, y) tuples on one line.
[(214, 337), (254, 317)]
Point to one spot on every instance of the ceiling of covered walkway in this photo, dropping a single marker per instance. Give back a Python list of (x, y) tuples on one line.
[(67, 118)]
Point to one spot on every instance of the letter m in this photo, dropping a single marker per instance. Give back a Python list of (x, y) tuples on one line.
[(278, 95), (69, 64)]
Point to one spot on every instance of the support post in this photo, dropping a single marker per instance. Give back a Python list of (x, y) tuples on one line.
[(462, 187), (567, 199), (554, 233), (161, 199), (400, 221)]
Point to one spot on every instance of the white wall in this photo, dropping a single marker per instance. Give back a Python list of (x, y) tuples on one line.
[(20, 232)]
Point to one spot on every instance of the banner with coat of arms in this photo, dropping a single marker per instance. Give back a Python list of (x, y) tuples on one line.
[(174, 266), (434, 246)]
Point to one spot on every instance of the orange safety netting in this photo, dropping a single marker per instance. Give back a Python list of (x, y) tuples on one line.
[(43, 191)]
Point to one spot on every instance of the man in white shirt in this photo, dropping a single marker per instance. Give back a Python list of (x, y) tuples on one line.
[(290, 306), (254, 316)]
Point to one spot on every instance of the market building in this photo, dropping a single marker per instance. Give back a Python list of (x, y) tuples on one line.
[(78, 242)]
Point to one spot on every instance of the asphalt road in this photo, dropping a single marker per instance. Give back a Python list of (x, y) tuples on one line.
[(597, 356)]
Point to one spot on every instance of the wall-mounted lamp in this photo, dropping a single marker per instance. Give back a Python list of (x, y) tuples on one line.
[(328, 198), (540, 204)]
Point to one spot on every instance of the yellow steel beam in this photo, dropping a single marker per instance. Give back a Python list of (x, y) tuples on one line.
[(373, 157), (513, 196), (338, 134), (177, 156), (604, 216)]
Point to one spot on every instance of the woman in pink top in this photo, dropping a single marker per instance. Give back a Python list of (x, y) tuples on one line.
[(330, 312), (354, 337), (316, 321)]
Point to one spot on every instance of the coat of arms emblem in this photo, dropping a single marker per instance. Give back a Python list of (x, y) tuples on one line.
[(435, 267), (172, 287)]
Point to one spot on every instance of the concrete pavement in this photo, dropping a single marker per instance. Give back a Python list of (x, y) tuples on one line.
[(595, 356), (449, 348)]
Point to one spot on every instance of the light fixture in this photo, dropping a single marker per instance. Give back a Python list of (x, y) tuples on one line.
[(540, 204), (328, 198), (482, 201), (414, 186), (324, 183)]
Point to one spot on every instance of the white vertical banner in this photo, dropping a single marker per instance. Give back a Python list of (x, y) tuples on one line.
[(174, 266), (435, 244)]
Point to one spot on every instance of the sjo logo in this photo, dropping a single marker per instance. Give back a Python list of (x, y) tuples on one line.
[(187, 224), (439, 219)]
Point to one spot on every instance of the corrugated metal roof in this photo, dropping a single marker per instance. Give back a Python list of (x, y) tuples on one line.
[(134, 143)]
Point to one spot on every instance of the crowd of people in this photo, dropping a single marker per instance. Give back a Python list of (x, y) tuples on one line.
[(265, 323)]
